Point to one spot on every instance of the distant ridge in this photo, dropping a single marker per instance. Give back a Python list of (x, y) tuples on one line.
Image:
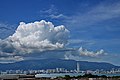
[(56, 63)]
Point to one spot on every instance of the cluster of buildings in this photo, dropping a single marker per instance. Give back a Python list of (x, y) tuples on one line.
[(61, 70), (47, 71), (56, 70), (101, 71)]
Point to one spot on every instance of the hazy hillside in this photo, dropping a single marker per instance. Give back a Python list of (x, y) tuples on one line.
[(56, 63)]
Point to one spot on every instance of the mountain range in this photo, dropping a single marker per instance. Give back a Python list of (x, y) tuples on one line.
[(55, 63)]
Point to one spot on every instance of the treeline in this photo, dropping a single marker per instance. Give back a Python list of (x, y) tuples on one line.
[(87, 76)]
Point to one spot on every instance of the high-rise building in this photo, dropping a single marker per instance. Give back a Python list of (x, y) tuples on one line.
[(78, 67)]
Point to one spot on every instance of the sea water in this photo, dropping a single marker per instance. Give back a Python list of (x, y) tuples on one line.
[(53, 75)]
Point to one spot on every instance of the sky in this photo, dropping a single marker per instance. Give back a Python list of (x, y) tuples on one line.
[(85, 30)]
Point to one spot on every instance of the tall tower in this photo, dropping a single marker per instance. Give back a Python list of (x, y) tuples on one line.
[(78, 67)]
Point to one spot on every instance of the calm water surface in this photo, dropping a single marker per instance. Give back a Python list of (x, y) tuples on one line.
[(71, 74)]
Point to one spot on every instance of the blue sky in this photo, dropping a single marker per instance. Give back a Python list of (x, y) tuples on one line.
[(93, 24)]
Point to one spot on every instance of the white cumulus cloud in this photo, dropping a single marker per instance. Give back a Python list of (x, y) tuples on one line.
[(78, 54), (85, 52), (39, 35), (42, 38), (34, 37)]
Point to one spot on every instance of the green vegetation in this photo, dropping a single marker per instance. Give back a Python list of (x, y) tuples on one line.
[(67, 77)]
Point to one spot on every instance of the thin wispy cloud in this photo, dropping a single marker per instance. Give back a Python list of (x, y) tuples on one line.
[(52, 13), (11, 59), (95, 15), (6, 30)]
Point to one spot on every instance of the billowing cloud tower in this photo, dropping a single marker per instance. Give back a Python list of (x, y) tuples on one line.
[(39, 36), (34, 38)]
